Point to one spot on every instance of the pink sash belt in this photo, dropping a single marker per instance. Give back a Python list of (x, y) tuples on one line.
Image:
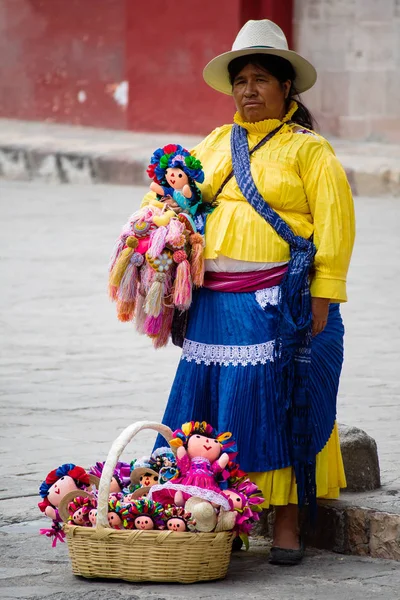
[(249, 281)]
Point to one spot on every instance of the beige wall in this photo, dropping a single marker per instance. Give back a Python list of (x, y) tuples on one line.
[(355, 47)]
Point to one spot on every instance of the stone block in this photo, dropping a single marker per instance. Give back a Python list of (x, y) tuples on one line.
[(343, 10), (353, 128), (43, 166), (367, 93), (360, 458), (122, 171), (14, 164), (330, 531), (358, 531), (74, 168), (335, 92), (385, 536), (372, 48), (385, 129), (375, 10)]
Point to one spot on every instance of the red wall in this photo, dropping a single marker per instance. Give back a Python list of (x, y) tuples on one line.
[(64, 60), (52, 49)]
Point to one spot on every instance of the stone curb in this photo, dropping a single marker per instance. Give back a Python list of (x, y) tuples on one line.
[(345, 528), (27, 163)]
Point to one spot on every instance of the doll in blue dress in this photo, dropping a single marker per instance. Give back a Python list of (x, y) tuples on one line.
[(174, 172)]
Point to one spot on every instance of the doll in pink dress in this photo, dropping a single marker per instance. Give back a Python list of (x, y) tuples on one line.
[(200, 459)]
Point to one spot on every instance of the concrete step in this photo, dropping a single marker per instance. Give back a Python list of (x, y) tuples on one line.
[(72, 154)]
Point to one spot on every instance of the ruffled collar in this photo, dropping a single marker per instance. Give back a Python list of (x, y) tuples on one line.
[(267, 125)]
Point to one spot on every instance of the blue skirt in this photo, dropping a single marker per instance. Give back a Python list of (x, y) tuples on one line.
[(226, 375)]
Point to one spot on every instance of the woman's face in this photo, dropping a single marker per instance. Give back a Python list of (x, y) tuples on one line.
[(259, 95)]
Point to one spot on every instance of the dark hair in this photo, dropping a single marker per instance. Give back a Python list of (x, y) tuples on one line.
[(282, 70)]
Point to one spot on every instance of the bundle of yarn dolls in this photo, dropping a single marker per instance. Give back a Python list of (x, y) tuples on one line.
[(193, 485), (158, 257)]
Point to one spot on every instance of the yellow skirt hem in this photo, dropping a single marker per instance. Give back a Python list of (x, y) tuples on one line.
[(279, 487)]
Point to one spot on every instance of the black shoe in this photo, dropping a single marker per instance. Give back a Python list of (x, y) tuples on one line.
[(237, 544), (285, 556)]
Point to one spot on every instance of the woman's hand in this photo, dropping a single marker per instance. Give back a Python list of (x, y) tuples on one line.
[(320, 310)]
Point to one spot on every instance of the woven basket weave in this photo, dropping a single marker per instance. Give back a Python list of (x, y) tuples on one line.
[(144, 555)]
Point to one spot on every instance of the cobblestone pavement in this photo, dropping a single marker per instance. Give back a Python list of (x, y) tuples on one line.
[(72, 377)]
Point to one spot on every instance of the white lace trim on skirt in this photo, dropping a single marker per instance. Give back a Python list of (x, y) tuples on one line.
[(228, 355), (268, 296)]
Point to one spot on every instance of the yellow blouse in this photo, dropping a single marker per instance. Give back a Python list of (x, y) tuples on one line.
[(300, 177)]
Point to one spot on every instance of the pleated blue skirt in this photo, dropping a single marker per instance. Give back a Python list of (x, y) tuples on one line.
[(226, 375)]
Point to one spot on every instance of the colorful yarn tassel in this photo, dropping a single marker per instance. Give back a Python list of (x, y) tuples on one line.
[(155, 296), (152, 325), (120, 266), (140, 315), (164, 334), (127, 293), (175, 235), (183, 281), (197, 259), (157, 242)]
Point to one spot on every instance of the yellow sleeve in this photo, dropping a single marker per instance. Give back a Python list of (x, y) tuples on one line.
[(331, 204)]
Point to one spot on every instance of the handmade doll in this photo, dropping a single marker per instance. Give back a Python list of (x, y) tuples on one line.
[(157, 468), (79, 510), (174, 172), (199, 460), (245, 500), (115, 508), (178, 519), (119, 481), (143, 514), (66, 478)]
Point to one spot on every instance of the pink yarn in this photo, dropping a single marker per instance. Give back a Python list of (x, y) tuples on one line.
[(183, 284), (140, 315), (152, 325), (157, 242), (165, 331), (175, 233), (128, 286)]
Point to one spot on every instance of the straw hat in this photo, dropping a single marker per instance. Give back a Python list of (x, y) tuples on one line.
[(69, 497), (259, 37), (137, 473), (203, 513)]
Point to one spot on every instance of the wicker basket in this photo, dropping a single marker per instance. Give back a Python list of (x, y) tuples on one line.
[(144, 555)]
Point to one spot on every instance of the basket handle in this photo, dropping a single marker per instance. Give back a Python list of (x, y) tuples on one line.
[(115, 452)]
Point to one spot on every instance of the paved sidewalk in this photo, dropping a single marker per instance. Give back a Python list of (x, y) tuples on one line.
[(72, 377), (72, 154)]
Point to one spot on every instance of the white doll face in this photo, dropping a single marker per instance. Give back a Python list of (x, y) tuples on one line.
[(144, 523), (93, 516), (60, 488), (234, 497), (200, 445), (176, 524), (148, 479), (78, 517), (114, 520), (176, 178)]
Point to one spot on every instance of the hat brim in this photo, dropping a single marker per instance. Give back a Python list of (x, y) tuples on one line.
[(216, 73), (137, 473), (63, 507), (139, 493)]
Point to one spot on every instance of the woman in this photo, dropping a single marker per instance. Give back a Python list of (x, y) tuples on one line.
[(249, 364)]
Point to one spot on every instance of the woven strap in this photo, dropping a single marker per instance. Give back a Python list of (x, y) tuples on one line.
[(256, 147)]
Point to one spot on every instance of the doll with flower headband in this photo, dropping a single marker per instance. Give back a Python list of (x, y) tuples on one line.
[(202, 455), (175, 172)]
